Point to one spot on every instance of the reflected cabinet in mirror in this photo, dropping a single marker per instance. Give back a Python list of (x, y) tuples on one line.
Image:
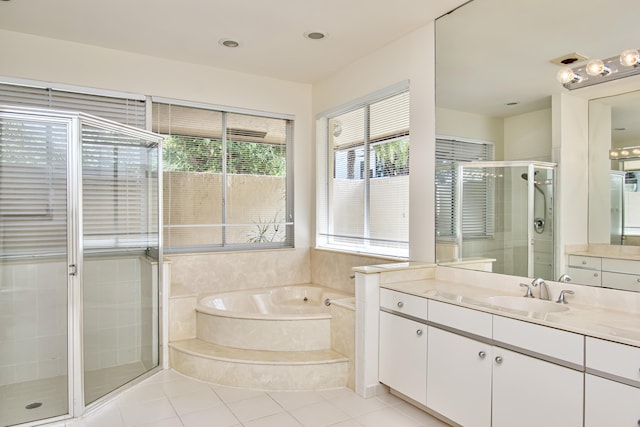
[(536, 121)]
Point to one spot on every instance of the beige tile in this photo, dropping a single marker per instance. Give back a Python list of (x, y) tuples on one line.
[(387, 417), (278, 420), (291, 400), (195, 401), (148, 412), (254, 408), (356, 406), (232, 394), (320, 414), (218, 414)]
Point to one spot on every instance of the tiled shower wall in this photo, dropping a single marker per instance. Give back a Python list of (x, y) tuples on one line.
[(33, 321), (33, 317)]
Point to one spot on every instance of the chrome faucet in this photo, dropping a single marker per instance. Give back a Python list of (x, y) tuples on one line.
[(561, 297), (565, 278), (540, 282)]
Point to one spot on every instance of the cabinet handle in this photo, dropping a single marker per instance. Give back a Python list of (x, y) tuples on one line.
[(400, 304), (482, 355), (498, 359), (419, 332)]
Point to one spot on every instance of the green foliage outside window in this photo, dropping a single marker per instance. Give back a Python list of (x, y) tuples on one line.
[(189, 154)]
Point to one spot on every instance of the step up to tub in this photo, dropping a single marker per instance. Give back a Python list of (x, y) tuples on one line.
[(266, 370)]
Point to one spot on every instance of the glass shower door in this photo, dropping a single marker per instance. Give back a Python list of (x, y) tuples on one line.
[(34, 290), (120, 258)]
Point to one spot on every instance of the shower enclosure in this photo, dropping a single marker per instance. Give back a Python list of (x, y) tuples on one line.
[(80, 269), (502, 211)]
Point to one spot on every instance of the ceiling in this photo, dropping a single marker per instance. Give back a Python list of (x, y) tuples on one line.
[(490, 53), (270, 32)]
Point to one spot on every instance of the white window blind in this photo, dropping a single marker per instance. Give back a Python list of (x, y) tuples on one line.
[(477, 208), (33, 173), (226, 180), (129, 111), (33, 187), (363, 198), (118, 180)]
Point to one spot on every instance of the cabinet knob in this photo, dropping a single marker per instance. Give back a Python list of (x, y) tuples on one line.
[(595, 274), (498, 359), (400, 304), (482, 355), (584, 262), (419, 332)]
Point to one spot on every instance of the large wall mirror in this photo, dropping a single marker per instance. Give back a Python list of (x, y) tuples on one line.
[(496, 107)]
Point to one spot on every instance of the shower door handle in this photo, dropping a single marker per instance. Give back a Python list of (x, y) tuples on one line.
[(73, 270)]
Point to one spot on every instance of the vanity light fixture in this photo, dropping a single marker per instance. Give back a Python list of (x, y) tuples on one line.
[(625, 153), (599, 71)]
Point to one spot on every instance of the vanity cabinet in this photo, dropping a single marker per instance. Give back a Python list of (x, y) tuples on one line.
[(459, 364), (585, 270), (474, 380), (610, 403), (607, 272), (531, 392), (459, 373), (402, 357), (612, 384)]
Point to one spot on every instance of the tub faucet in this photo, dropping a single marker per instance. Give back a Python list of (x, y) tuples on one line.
[(565, 278), (540, 282)]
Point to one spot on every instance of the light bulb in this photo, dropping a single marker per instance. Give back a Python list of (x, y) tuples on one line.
[(596, 67), (566, 75), (630, 57), (624, 153)]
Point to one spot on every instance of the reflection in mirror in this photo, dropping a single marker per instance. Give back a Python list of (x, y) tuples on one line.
[(614, 169), (496, 85)]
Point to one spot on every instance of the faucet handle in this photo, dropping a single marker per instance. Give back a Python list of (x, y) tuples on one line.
[(528, 294), (561, 297)]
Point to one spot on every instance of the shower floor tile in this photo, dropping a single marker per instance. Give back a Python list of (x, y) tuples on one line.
[(52, 393)]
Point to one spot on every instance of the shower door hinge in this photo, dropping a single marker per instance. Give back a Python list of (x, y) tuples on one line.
[(73, 270)]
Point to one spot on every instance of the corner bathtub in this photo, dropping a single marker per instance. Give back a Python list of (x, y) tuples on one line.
[(286, 318)]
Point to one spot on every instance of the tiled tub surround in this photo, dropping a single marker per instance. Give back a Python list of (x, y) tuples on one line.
[(286, 318), (593, 315), (247, 346)]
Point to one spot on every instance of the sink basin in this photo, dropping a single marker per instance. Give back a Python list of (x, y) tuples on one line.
[(530, 305)]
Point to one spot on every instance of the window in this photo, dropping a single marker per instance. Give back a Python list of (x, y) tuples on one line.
[(226, 179), (477, 211), (363, 182)]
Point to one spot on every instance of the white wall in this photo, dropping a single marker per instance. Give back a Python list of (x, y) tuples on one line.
[(471, 126), (31, 57), (528, 136), (570, 150), (410, 57)]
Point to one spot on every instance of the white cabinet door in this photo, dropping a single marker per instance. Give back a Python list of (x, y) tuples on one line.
[(459, 378), (608, 403), (403, 356), (532, 392)]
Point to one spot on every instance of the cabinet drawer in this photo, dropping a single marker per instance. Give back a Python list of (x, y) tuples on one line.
[(584, 276), (593, 263), (628, 282), (621, 266), (612, 358), (553, 343), (463, 319), (403, 303)]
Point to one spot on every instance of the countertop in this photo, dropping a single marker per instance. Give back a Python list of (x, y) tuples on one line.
[(618, 326)]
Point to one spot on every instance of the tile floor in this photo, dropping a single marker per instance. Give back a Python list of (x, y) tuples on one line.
[(169, 399)]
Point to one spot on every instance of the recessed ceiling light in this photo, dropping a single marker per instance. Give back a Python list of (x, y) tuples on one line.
[(315, 35), (228, 43)]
